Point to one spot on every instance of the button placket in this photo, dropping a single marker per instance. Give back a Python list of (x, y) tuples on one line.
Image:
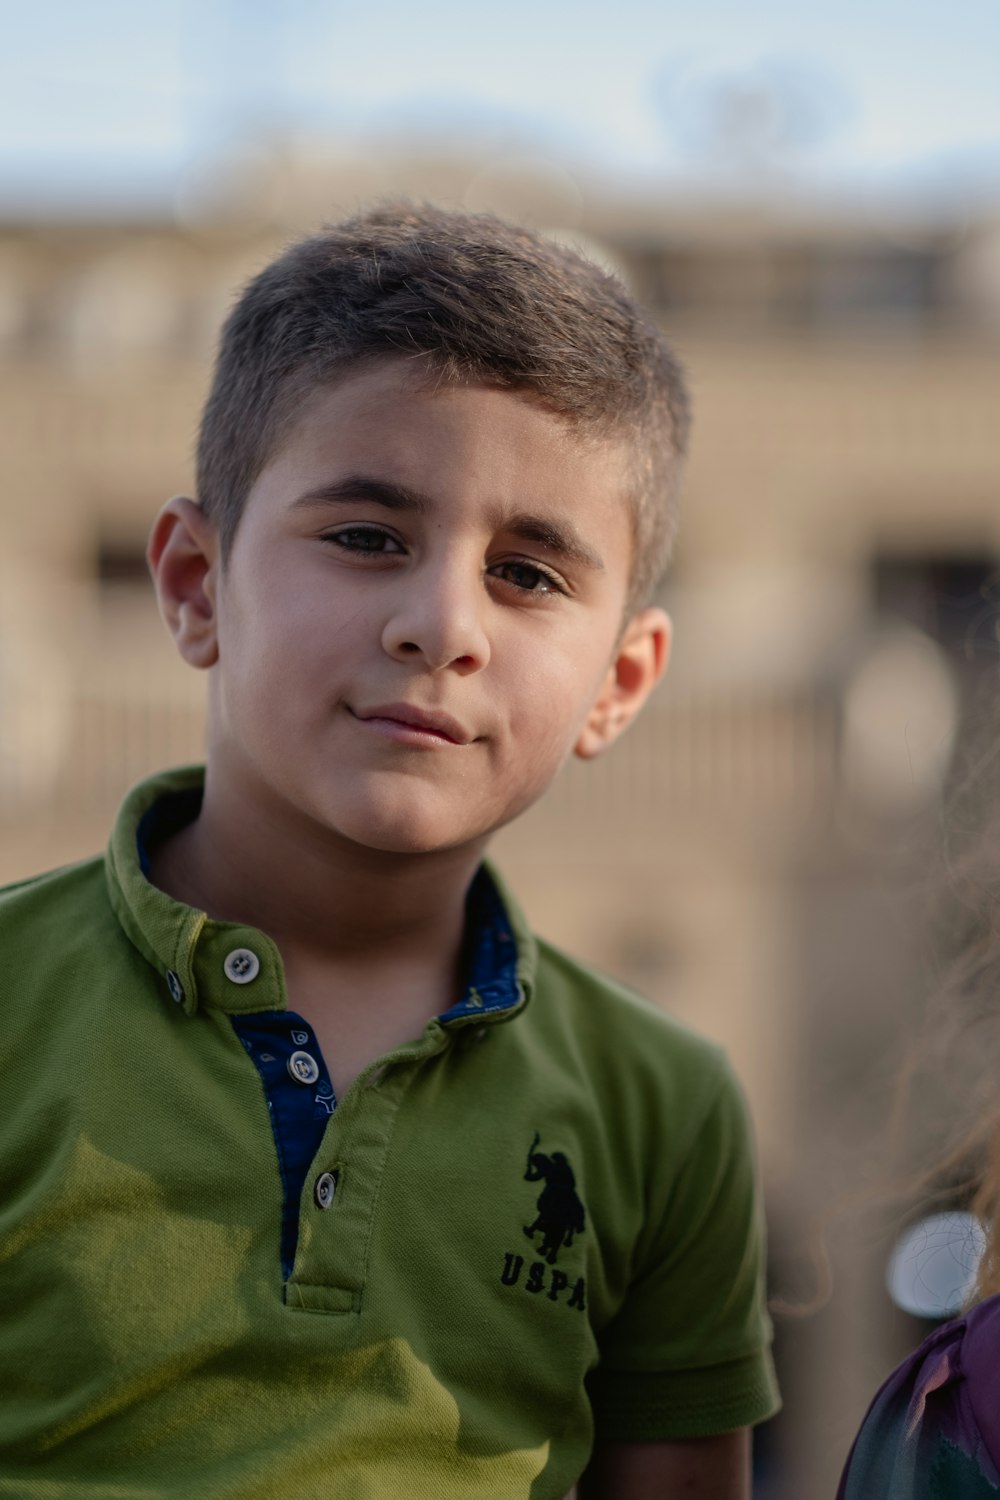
[(300, 1102), (332, 1261)]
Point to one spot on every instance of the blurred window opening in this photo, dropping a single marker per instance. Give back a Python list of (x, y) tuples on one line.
[(950, 597), (797, 284), (649, 274), (121, 562), (912, 698), (730, 282), (884, 286)]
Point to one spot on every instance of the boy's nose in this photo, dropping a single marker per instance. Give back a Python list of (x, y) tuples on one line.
[(439, 619)]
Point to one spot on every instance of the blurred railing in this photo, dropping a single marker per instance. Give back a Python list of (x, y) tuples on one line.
[(762, 762)]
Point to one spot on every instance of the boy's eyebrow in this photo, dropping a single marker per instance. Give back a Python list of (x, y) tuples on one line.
[(560, 537), (365, 487)]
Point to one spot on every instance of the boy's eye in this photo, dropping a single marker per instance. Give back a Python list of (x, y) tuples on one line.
[(370, 539), (529, 577)]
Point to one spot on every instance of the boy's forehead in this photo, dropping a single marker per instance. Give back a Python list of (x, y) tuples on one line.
[(408, 423), (386, 392)]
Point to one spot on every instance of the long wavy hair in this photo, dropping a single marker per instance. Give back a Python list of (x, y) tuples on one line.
[(946, 1113), (939, 1148)]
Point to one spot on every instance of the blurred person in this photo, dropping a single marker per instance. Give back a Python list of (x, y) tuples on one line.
[(932, 1430), (321, 1175)]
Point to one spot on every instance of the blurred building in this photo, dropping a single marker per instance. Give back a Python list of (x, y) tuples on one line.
[(832, 596)]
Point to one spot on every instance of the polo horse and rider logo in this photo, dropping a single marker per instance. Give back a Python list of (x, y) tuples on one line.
[(560, 1213)]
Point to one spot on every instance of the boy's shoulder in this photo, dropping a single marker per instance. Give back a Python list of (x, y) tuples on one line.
[(607, 1001), (52, 915), (33, 895), (641, 1052)]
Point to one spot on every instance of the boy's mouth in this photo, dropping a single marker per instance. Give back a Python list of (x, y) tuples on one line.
[(404, 720)]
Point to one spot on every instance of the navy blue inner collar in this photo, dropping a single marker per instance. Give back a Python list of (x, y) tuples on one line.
[(491, 948)]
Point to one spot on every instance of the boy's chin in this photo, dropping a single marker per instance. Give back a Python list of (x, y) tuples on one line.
[(410, 835), (413, 841), (417, 820)]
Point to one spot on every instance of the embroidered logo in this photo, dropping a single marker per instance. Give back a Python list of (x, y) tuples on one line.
[(560, 1212), (559, 1215)]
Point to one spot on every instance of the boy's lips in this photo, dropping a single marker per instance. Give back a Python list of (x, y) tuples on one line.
[(405, 716)]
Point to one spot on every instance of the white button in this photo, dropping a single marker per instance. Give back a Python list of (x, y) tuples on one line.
[(241, 966), (174, 986), (303, 1067), (326, 1187)]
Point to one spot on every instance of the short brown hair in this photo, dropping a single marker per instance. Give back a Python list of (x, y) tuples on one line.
[(479, 300)]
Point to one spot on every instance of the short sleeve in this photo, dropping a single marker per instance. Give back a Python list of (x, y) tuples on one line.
[(688, 1353)]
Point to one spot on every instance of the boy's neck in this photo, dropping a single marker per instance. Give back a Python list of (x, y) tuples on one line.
[(325, 901)]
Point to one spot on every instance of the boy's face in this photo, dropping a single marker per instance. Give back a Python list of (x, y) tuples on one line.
[(421, 618)]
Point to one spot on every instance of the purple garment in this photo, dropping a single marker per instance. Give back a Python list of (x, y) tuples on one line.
[(933, 1430)]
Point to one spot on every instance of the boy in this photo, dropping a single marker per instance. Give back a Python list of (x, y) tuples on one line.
[(321, 1176)]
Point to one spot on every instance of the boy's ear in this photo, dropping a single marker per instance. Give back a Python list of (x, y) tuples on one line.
[(183, 557), (640, 661)]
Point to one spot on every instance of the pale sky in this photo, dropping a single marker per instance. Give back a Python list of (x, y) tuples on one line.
[(117, 99)]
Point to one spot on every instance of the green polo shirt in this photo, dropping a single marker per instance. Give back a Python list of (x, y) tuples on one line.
[(533, 1220)]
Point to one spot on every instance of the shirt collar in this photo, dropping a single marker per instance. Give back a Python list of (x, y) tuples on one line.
[(190, 949)]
